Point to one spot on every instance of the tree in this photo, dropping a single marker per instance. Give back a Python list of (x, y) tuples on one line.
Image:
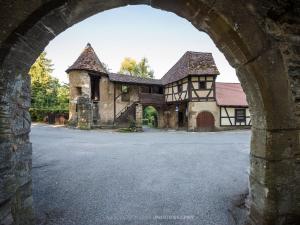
[(144, 70), (128, 66), (151, 114), (46, 91), (63, 96), (131, 67)]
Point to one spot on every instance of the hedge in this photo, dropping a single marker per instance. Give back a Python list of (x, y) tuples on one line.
[(39, 115)]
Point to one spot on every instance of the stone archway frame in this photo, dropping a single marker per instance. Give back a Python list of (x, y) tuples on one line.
[(255, 37)]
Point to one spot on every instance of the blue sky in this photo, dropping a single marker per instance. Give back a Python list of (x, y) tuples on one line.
[(134, 31)]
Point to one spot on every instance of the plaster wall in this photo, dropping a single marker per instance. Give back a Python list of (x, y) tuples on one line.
[(202, 93), (133, 92), (106, 109), (171, 91), (230, 116)]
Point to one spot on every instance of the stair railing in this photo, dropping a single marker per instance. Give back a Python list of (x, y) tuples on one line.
[(125, 109)]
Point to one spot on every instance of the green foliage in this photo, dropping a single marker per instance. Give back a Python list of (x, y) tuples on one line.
[(145, 121), (128, 66), (47, 94), (144, 70), (131, 128), (131, 67), (150, 114), (40, 114), (132, 124), (125, 130)]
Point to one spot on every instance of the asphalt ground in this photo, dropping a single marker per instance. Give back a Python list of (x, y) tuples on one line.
[(150, 178)]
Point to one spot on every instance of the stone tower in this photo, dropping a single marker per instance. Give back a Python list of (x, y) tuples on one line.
[(84, 81)]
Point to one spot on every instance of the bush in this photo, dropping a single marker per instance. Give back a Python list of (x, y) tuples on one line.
[(42, 115), (151, 114), (132, 125), (145, 121)]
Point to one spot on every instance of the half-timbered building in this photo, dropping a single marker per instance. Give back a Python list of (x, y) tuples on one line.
[(186, 97)]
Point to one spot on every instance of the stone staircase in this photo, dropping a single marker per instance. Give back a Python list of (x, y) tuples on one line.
[(127, 113)]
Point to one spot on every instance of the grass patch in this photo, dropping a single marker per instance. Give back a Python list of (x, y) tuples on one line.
[(126, 130)]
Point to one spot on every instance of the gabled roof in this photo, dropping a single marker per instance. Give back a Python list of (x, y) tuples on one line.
[(191, 63), (230, 94), (132, 79), (88, 60)]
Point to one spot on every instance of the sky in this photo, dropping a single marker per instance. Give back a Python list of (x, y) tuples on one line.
[(134, 31)]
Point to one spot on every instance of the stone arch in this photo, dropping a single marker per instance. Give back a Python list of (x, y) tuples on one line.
[(205, 121), (260, 39)]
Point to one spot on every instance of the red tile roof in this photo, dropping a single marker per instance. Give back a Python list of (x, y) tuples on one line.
[(88, 60), (230, 94)]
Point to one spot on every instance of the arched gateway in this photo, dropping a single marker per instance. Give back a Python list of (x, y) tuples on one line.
[(260, 39), (205, 121)]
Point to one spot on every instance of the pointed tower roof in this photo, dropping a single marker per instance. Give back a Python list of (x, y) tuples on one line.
[(88, 60)]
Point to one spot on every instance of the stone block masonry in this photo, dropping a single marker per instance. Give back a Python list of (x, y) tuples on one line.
[(260, 39)]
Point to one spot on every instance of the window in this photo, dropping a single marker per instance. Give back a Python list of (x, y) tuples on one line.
[(124, 89), (240, 115), (179, 87), (157, 90), (78, 91), (125, 93), (202, 85), (95, 88), (160, 90)]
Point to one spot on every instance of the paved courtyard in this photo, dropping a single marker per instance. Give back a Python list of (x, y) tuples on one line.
[(151, 178)]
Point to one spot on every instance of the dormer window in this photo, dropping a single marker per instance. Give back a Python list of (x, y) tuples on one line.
[(202, 85)]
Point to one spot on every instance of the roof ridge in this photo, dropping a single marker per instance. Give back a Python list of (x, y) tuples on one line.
[(123, 74)]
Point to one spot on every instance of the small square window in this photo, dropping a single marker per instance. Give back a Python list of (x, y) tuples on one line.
[(202, 85), (240, 115), (125, 93), (78, 91), (124, 89)]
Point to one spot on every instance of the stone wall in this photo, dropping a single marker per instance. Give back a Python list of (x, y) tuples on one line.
[(133, 92), (167, 117), (77, 79), (194, 108), (106, 109), (139, 117), (84, 113), (260, 39)]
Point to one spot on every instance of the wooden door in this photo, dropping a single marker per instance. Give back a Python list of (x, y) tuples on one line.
[(205, 121)]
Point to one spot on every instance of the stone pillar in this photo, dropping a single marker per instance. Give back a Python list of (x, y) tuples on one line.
[(160, 118), (274, 177), (15, 149), (84, 113), (139, 117)]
